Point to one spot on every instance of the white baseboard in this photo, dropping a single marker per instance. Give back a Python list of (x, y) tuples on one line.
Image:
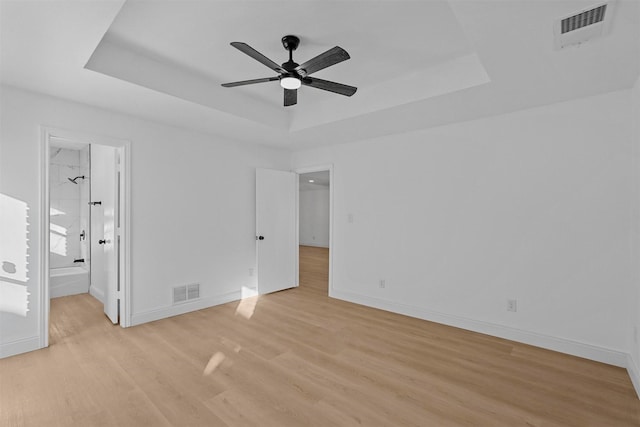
[(23, 345), (575, 348), (634, 374), (63, 291), (316, 245), (97, 293), (175, 310)]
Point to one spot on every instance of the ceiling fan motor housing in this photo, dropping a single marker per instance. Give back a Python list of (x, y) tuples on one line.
[(290, 42)]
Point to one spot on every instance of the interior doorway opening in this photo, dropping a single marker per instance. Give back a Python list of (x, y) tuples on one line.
[(85, 224), (315, 226)]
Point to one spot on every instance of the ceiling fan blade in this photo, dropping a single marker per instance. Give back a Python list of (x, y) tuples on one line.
[(330, 86), (245, 48), (250, 82), (324, 60), (290, 97)]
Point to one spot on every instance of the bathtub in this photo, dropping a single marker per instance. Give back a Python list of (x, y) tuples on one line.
[(68, 281)]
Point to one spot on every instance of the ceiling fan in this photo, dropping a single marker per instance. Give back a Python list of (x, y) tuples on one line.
[(293, 75)]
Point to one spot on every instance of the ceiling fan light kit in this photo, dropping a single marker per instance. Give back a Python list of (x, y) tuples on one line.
[(293, 75), (290, 82)]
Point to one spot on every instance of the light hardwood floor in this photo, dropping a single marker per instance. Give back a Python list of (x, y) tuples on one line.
[(298, 358)]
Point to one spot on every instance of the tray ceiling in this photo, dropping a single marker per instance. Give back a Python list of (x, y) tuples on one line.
[(401, 52)]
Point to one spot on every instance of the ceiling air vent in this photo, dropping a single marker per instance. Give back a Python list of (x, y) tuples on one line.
[(583, 26), (583, 19)]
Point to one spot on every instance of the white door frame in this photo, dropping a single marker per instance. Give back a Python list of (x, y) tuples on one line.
[(308, 169), (124, 148)]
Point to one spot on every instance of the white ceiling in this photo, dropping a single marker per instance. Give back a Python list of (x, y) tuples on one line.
[(424, 56), (416, 64), (320, 180)]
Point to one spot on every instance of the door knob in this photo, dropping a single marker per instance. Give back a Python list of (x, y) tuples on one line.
[(102, 242), (260, 237)]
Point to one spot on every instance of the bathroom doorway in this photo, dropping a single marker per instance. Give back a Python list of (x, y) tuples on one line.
[(86, 217), (69, 218)]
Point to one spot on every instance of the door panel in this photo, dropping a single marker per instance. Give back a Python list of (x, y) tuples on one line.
[(276, 224), (104, 268)]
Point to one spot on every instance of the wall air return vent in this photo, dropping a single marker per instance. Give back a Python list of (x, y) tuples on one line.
[(186, 293), (583, 25), (193, 291), (179, 294)]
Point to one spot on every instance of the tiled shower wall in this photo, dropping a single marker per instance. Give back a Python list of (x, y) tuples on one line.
[(69, 206)]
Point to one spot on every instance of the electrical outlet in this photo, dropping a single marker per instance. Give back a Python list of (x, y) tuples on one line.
[(250, 272), (350, 218), (512, 305), (382, 284)]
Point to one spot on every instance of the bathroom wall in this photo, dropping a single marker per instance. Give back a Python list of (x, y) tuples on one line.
[(65, 206)]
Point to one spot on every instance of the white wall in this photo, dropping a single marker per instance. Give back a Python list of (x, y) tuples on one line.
[(193, 205), (532, 205), (634, 331), (314, 217)]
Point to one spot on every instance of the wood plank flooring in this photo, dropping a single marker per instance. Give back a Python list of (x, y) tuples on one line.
[(298, 358)]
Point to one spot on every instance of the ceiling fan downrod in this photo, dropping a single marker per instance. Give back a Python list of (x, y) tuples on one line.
[(290, 43)]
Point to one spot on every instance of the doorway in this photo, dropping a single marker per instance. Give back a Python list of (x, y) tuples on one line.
[(315, 225), (85, 211)]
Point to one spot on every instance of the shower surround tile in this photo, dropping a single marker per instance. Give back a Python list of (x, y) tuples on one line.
[(69, 215)]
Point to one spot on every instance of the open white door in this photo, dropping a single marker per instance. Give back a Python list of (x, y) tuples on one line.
[(104, 256), (276, 230)]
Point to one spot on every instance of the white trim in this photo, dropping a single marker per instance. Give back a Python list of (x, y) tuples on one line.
[(97, 293), (297, 216), (575, 348), (125, 233), (314, 245), (182, 308), (124, 146), (634, 374), (320, 168), (20, 346), (44, 302)]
